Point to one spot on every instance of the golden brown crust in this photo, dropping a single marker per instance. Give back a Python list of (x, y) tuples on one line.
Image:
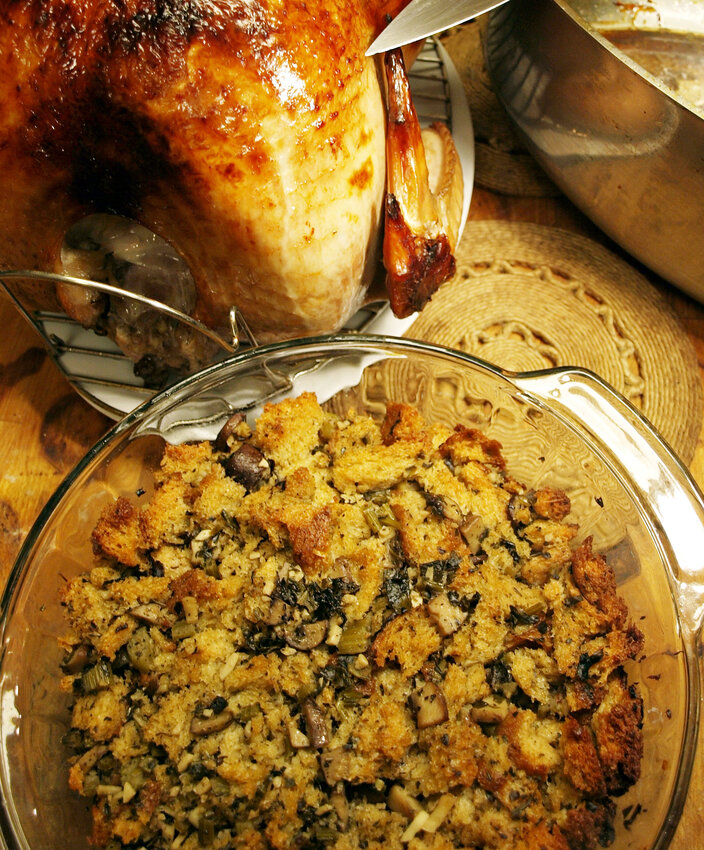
[(117, 534), (401, 422), (597, 583), (310, 538), (617, 726), (335, 645), (421, 543), (452, 756), (582, 765), (194, 584), (387, 732), (201, 120), (101, 829), (551, 503), (407, 640), (530, 747), (165, 519), (471, 444), (589, 826), (543, 837)]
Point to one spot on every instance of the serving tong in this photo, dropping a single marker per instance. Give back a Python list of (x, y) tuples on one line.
[(99, 371)]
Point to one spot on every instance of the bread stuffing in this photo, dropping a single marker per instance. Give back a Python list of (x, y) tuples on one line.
[(337, 633)]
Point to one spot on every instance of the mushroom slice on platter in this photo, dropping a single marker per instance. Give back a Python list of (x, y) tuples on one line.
[(424, 198)]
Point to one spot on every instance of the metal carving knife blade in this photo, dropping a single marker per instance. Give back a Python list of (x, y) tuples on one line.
[(422, 18)]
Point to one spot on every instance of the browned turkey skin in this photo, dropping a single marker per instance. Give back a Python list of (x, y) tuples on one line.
[(420, 224), (248, 134)]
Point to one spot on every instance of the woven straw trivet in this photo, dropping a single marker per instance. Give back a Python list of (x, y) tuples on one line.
[(501, 162), (532, 297)]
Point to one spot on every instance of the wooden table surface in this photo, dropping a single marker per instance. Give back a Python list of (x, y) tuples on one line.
[(45, 427)]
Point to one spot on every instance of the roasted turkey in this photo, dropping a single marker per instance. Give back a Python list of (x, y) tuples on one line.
[(253, 136)]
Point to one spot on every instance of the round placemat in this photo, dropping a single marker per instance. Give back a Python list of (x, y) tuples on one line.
[(501, 162), (531, 297)]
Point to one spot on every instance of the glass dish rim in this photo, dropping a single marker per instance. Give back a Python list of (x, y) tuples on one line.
[(338, 344), (331, 340)]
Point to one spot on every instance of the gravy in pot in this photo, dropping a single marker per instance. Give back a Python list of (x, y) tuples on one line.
[(675, 58)]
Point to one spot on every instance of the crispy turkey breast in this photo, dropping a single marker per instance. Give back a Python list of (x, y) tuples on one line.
[(249, 134)]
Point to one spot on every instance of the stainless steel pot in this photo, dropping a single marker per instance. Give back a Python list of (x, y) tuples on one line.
[(625, 148)]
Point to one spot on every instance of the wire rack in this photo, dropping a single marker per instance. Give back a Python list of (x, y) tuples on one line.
[(96, 367)]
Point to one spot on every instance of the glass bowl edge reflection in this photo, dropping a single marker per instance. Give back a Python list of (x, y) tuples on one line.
[(144, 420)]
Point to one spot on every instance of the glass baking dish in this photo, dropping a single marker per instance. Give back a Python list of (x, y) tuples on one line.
[(562, 427)]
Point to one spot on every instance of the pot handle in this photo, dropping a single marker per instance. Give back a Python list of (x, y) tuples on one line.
[(640, 456)]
